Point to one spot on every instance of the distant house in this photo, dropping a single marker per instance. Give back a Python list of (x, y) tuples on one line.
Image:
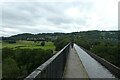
[(38, 39)]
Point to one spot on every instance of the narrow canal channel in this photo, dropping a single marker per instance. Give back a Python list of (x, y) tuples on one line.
[(93, 67)]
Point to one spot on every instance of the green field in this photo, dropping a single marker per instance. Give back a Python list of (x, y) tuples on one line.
[(29, 44)]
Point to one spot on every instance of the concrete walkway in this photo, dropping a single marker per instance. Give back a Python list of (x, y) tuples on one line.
[(74, 67)]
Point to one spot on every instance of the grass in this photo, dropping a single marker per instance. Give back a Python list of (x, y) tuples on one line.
[(29, 44)]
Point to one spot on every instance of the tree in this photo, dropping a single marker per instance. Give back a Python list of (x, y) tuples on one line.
[(30, 59), (10, 69), (42, 43), (7, 52), (61, 41), (12, 41), (23, 57)]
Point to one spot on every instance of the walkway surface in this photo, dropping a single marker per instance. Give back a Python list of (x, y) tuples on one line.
[(74, 67)]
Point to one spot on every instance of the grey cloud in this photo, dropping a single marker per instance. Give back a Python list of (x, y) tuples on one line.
[(13, 15), (81, 21), (25, 13), (25, 16), (59, 20)]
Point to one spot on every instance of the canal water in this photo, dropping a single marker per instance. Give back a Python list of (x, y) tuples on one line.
[(93, 67)]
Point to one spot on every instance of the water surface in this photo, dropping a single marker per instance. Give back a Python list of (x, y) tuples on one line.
[(93, 67)]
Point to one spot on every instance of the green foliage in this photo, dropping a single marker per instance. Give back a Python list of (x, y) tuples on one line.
[(42, 43), (10, 69), (12, 41), (9, 52), (107, 52), (60, 42), (23, 61), (83, 42)]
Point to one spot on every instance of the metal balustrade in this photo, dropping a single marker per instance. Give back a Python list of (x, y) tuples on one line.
[(52, 68)]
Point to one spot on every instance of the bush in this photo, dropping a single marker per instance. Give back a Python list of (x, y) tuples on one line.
[(21, 62), (10, 69), (7, 52), (12, 41), (43, 43), (60, 42)]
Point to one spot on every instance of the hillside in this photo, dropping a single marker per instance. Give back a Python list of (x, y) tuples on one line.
[(109, 35)]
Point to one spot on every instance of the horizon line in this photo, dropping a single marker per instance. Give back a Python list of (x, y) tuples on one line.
[(56, 32)]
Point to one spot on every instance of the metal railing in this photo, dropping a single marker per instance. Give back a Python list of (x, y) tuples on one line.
[(52, 68)]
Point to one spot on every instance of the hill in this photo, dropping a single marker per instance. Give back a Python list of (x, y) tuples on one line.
[(95, 34)]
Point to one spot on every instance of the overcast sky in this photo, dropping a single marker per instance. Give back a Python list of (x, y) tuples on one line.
[(63, 16)]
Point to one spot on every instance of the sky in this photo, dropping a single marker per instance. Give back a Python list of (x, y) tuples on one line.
[(38, 16)]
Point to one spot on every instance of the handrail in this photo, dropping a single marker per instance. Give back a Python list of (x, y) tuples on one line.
[(52, 68)]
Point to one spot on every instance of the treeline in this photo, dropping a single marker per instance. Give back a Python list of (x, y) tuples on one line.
[(94, 34), (18, 63)]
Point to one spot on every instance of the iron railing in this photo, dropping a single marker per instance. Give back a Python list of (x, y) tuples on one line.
[(52, 68)]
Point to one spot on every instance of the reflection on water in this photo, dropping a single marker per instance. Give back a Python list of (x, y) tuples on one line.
[(93, 67)]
